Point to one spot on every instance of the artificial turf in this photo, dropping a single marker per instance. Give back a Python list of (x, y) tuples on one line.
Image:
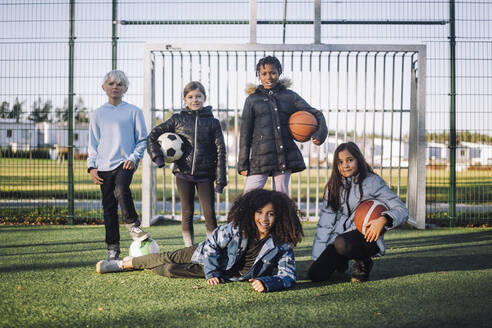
[(434, 278)]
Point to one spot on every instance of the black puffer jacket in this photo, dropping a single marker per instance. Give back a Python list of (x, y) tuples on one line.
[(205, 151), (266, 145)]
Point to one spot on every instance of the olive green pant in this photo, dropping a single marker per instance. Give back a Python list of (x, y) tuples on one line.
[(176, 264)]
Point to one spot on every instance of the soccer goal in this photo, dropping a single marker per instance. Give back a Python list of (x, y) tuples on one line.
[(373, 95)]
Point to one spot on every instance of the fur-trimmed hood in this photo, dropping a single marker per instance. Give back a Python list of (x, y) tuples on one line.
[(251, 87)]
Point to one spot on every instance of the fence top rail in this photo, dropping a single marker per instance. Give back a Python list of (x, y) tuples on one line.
[(159, 47)]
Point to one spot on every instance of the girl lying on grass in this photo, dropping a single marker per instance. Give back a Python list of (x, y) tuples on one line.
[(256, 245)]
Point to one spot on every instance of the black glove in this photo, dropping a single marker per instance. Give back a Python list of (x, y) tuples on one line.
[(219, 188)]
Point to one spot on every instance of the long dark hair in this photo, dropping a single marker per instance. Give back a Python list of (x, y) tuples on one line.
[(286, 227), (335, 182)]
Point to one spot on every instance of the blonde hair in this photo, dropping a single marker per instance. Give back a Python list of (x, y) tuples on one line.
[(118, 76)]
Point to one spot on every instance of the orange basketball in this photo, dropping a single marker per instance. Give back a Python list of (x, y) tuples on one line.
[(302, 125), (367, 211)]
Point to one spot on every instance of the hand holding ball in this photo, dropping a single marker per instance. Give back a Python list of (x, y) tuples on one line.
[(302, 125), (172, 146), (366, 212)]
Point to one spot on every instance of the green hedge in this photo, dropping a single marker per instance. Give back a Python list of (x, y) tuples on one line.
[(41, 153)]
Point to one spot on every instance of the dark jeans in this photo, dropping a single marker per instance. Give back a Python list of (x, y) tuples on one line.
[(175, 264), (206, 195), (116, 191), (347, 246)]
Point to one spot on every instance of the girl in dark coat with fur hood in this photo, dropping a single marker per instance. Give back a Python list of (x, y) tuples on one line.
[(203, 160), (266, 147)]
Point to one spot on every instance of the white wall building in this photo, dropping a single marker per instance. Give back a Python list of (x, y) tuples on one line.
[(27, 135), (20, 135)]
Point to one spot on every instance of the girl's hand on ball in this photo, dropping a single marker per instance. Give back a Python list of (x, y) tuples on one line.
[(257, 285), (95, 177), (316, 141), (374, 228), (214, 281)]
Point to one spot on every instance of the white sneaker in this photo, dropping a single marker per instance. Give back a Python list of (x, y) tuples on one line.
[(137, 233), (106, 266)]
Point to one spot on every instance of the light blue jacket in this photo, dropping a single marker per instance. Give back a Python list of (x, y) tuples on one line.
[(331, 224), (274, 266), (116, 134)]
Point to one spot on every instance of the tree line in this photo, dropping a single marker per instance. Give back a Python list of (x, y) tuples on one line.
[(42, 111), (461, 136)]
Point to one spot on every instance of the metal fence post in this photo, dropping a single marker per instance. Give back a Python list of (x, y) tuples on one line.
[(70, 192), (252, 21), (114, 37), (317, 21), (452, 115), (416, 162), (149, 189)]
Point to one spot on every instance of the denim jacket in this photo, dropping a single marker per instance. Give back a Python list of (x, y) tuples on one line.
[(331, 223), (274, 266)]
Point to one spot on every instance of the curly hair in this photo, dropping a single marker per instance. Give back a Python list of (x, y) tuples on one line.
[(269, 60), (286, 227)]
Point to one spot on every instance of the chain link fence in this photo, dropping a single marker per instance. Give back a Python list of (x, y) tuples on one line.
[(54, 53)]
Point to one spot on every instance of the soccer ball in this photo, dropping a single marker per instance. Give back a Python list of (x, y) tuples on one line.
[(144, 247), (172, 146)]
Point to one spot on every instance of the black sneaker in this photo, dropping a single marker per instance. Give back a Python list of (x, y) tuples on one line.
[(362, 268)]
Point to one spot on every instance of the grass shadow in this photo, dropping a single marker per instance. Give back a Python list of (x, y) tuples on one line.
[(44, 266), (439, 240), (411, 265)]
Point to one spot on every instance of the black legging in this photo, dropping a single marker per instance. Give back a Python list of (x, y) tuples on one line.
[(206, 195), (347, 246)]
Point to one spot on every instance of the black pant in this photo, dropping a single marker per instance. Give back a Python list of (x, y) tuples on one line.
[(347, 246), (175, 264), (116, 191), (206, 195)]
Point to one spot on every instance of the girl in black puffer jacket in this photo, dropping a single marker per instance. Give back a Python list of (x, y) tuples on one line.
[(203, 160), (266, 147)]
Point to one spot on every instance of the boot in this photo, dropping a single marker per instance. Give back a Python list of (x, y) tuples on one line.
[(362, 268)]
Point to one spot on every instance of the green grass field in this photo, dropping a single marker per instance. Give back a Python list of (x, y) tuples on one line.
[(433, 278)]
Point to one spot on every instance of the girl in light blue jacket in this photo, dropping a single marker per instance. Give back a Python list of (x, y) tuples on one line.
[(337, 240), (256, 245)]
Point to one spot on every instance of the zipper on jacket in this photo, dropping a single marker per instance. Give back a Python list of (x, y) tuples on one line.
[(347, 204), (194, 145)]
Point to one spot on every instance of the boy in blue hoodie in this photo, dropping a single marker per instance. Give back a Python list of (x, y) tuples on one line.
[(117, 142)]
